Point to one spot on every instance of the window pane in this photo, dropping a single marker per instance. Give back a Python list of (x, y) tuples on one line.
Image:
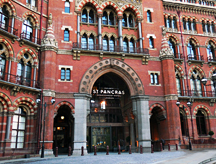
[(91, 16), (152, 78), (22, 119), (14, 133), (13, 145), (84, 42), (84, 15), (66, 35), (91, 43), (62, 74), (14, 125), (19, 145), (111, 45), (156, 79), (22, 125), (105, 44), (125, 46), (13, 139), (68, 74), (20, 139)]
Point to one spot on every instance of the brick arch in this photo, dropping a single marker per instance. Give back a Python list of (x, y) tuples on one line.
[(4, 103), (129, 37), (109, 3), (28, 13), (180, 70), (156, 105), (88, 33), (185, 109), (211, 71), (25, 101), (32, 54), (171, 15), (174, 37), (6, 98), (195, 67), (201, 107), (208, 40), (64, 103), (83, 3), (206, 19), (137, 13), (109, 35), (194, 39), (9, 47), (13, 11), (116, 66)]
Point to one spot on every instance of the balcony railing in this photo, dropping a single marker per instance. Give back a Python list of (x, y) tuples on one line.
[(178, 56), (30, 37), (8, 28), (195, 57), (211, 59), (16, 79), (99, 47), (196, 93)]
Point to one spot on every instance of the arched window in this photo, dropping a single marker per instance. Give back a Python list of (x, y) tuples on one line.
[(66, 35), (184, 24), (131, 21), (84, 16), (193, 25), (67, 7), (183, 120), (18, 128), (91, 42), (28, 69), (203, 26), (188, 25), (27, 29), (131, 45), (211, 52), (111, 18), (84, 44), (105, 43), (201, 123), (173, 47), (2, 64), (125, 45), (168, 22), (174, 22), (4, 17), (112, 44), (191, 50), (20, 69), (212, 28), (149, 19), (124, 20), (178, 85), (105, 18), (196, 84), (151, 42), (91, 16), (207, 26)]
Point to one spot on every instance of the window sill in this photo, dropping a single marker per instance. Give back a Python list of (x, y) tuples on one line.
[(154, 84), (62, 41), (152, 48), (92, 24), (149, 22), (105, 25), (59, 80), (67, 13)]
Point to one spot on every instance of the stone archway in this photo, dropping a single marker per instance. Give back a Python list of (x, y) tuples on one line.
[(116, 66)]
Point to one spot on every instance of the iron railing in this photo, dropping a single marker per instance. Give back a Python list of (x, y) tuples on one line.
[(212, 59), (196, 93), (8, 28), (30, 37), (16, 79), (195, 57), (100, 47), (178, 56)]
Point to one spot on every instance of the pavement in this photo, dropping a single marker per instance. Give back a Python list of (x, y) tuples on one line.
[(164, 157)]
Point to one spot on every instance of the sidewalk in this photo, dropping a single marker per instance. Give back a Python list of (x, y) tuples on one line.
[(165, 157)]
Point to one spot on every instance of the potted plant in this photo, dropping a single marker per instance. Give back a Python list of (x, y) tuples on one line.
[(211, 133)]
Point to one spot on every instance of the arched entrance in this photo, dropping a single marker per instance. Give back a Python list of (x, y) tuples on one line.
[(63, 135), (110, 114)]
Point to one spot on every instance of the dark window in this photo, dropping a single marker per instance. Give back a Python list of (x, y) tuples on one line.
[(68, 74), (168, 22), (172, 46), (212, 27), (151, 42), (193, 25), (65, 74), (62, 74), (131, 45), (184, 24), (208, 27), (201, 124), (131, 23), (18, 128), (27, 29), (174, 22), (149, 19), (112, 44), (91, 16), (104, 18), (67, 7), (124, 20), (105, 43), (203, 26), (183, 120), (28, 69), (84, 16), (66, 35), (84, 41), (178, 84), (91, 42), (125, 45), (2, 65), (20, 69), (4, 18), (196, 84), (111, 19), (191, 51), (154, 79)]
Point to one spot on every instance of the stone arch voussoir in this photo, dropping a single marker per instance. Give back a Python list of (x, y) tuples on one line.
[(64, 103)]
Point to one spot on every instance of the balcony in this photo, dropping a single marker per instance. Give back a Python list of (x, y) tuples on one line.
[(8, 31), (195, 59), (110, 49), (29, 39), (196, 93), (19, 80)]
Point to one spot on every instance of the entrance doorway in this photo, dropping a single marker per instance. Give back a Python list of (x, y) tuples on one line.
[(108, 123), (63, 130)]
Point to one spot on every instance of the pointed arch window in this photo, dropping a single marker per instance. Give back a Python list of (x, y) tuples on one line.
[(2, 64), (111, 18), (18, 128), (28, 69), (183, 120), (105, 43), (91, 16), (84, 41), (124, 20), (131, 45), (20, 68), (84, 16), (184, 24), (67, 6), (174, 22), (4, 17), (193, 25), (27, 29), (125, 45), (172, 47), (203, 26), (211, 52), (168, 22), (91, 42), (149, 19), (196, 86), (201, 123), (212, 27), (178, 85), (191, 50), (105, 18), (131, 21), (112, 44)]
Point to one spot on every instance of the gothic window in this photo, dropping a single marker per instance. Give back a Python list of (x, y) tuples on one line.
[(212, 27), (168, 22), (151, 42), (67, 6), (105, 18), (208, 27), (149, 18), (211, 51), (178, 85), (191, 50), (131, 45), (174, 22), (18, 128), (203, 26), (28, 73), (193, 25), (184, 24), (183, 120), (27, 29), (91, 16), (112, 44), (4, 17), (188, 25), (66, 35), (172, 46), (84, 16), (2, 62), (84, 41), (196, 86), (125, 45), (20, 68), (111, 18), (201, 123), (91, 42), (124, 20), (105, 43), (31, 2), (131, 21)]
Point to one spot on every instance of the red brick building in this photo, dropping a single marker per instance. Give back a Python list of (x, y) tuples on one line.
[(115, 69)]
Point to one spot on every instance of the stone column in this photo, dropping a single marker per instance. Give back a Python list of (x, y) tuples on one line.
[(36, 33), (140, 34), (78, 28), (120, 31), (82, 106), (143, 123), (132, 137), (9, 69), (34, 78), (12, 25), (99, 29)]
